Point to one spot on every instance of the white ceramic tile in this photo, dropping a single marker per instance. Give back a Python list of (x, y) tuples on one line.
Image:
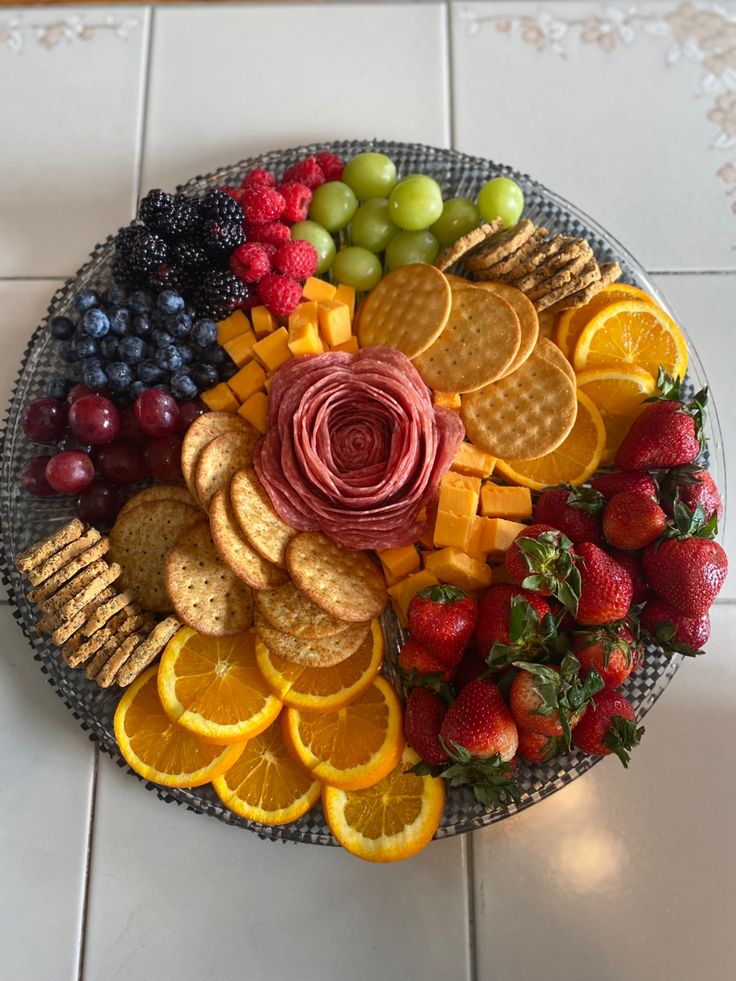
[(179, 895), (229, 82), (624, 109), (626, 874), (72, 84), (46, 780)]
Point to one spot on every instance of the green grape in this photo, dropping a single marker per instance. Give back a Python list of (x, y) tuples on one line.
[(415, 202), (310, 231), (333, 205), (371, 175), (357, 267), (501, 198), (371, 227), (408, 247), (459, 216)]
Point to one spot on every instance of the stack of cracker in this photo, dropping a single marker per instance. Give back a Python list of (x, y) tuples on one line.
[(98, 626)]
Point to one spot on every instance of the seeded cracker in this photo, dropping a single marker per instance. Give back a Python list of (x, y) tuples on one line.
[(100, 659), (500, 246), (105, 578), (543, 253), (54, 583), (44, 549), (559, 269), (118, 601), (56, 603), (78, 653), (589, 274), (564, 276), (502, 268), (610, 272), (147, 651), (289, 611), (106, 675), (160, 492), (61, 630), (65, 555), (318, 653), (202, 431), (221, 459), (258, 521), (236, 551), (467, 242)]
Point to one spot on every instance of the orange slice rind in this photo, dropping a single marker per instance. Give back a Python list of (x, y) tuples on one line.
[(571, 322), (619, 393)]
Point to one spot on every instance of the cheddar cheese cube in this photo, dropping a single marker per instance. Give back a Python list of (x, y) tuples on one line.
[(251, 378), (428, 515), (267, 383), (319, 290), (305, 313), (452, 529), (240, 347), (402, 593), (346, 294), (219, 398), (474, 546), (263, 321), (334, 322), (273, 349), (255, 410), (350, 345), (459, 494), (448, 400), (470, 460), (305, 339), (399, 562), (505, 502), (498, 535), (231, 326), (451, 565)]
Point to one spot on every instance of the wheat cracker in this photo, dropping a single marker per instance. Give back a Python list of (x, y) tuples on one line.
[(610, 272), (106, 675), (78, 652), (499, 246), (37, 553), (258, 521), (221, 459), (236, 551), (105, 578), (202, 431), (289, 611), (54, 583), (55, 604), (467, 242), (118, 601), (589, 274), (159, 492), (558, 269), (316, 653), (506, 267), (147, 651), (61, 630), (65, 555)]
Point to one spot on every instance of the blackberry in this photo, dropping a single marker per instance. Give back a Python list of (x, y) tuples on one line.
[(143, 251), (221, 238), (123, 274), (166, 276), (155, 209), (182, 220), (218, 206), (189, 255), (219, 293)]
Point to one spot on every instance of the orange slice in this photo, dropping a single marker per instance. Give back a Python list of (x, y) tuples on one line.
[(571, 322), (632, 333), (212, 687), (576, 459), (619, 394), (353, 747), (392, 820), (265, 784), (157, 748)]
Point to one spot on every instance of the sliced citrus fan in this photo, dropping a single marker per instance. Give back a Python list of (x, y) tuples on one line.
[(266, 784), (619, 393), (323, 689), (160, 750), (573, 462), (392, 820), (632, 332), (212, 687), (353, 747), (571, 322)]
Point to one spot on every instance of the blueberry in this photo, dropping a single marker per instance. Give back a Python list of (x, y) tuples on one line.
[(215, 355), (178, 324), (168, 358), (120, 320), (203, 375), (61, 328), (119, 376), (186, 353), (84, 346), (169, 302), (227, 370), (132, 350), (149, 372), (86, 299), (116, 295), (163, 387), (182, 387), (73, 372), (95, 323), (94, 374), (140, 302), (136, 388), (162, 338), (142, 325), (204, 332), (66, 353), (109, 348), (58, 388)]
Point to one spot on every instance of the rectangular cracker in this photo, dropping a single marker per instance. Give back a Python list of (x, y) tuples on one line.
[(47, 589), (40, 551), (122, 624), (65, 629), (112, 605), (54, 603), (105, 578), (118, 659), (61, 558)]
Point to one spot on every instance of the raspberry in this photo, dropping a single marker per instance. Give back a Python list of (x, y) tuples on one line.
[(279, 293), (259, 176), (298, 197), (261, 203), (274, 232), (332, 166), (234, 192), (270, 249), (297, 259), (307, 172), (250, 262)]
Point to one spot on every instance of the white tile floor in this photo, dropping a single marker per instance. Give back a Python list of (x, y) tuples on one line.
[(624, 109)]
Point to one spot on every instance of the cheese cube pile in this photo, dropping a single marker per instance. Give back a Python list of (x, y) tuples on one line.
[(260, 345)]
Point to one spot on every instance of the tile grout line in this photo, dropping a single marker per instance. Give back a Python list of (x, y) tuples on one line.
[(450, 73), (144, 108), (88, 864), (470, 879)]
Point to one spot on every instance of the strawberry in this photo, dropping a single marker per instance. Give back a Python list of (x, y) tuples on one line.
[(536, 747), (694, 486), (674, 632), (631, 521), (609, 726), (471, 667), (613, 651), (423, 717), (576, 513), (511, 623), (480, 737), (667, 433), (616, 482), (686, 567), (632, 564), (541, 559), (419, 667), (551, 700), (606, 587), (442, 619)]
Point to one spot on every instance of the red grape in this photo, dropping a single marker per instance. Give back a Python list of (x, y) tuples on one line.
[(163, 457), (94, 419), (69, 472), (78, 392), (190, 410), (130, 431), (33, 477), (157, 412), (120, 464), (45, 420), (99, 504)]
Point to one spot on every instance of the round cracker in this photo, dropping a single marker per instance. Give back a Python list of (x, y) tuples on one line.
[(139, 541), (345, 583), (260, 524), (477, 346), (317, 653), (407, 310), (159, 492), (465, 243), (524, 415), (524, 310), (289, 611), (207, 596), (236, 551), (221, 459), (204, 429), (548, 350)]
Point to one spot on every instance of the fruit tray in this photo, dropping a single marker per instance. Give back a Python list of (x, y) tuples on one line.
[(25, 519)]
